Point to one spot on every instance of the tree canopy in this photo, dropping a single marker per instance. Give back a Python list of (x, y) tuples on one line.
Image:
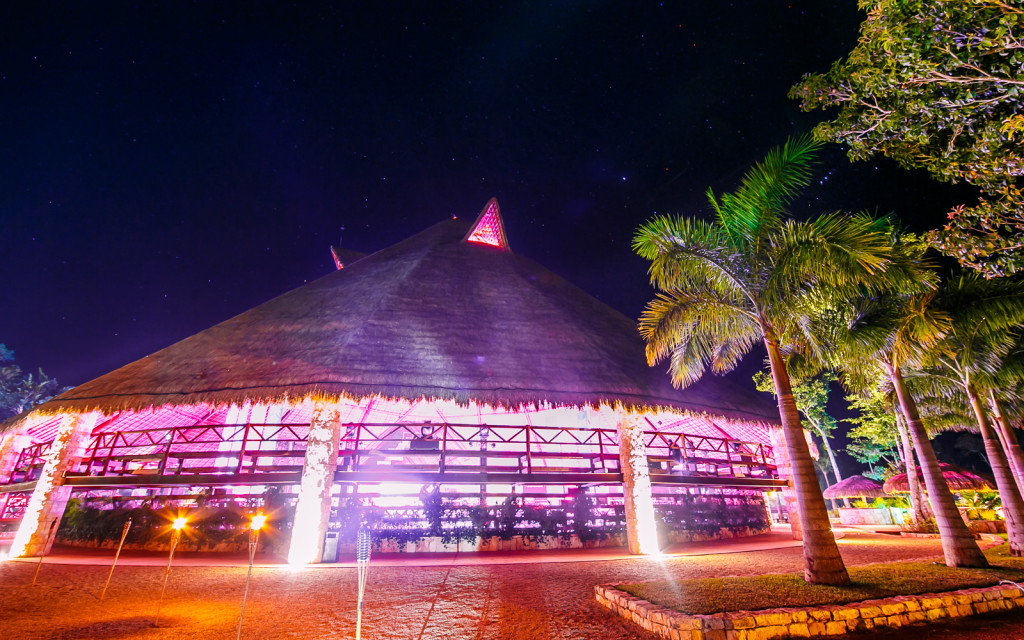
[(873, 439), (743, 278), (935, 84), (20, 391)]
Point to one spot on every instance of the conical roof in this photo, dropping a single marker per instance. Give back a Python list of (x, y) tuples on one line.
[(434, 316), (855, 487)]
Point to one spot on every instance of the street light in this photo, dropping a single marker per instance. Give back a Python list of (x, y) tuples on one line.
[(176, 527), (255, 525)]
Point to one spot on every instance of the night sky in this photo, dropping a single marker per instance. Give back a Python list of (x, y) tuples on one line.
[(168, 166)]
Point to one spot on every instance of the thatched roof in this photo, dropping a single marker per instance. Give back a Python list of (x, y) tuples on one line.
[(958, 480), (855, 487), (434, 316)]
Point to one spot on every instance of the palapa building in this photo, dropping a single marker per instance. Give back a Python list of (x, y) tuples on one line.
[(445, 361)]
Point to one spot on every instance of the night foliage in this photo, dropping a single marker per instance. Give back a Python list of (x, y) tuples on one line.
[(936, 84)]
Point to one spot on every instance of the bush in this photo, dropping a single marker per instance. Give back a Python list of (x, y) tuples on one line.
[(709, 514), (211, 525)]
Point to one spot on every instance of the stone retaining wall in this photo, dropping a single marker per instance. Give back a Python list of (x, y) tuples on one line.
[(808, 622)]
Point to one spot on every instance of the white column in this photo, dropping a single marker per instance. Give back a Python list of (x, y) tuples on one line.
[(50, 496), (641, 531), (785, 470), (313, 506)]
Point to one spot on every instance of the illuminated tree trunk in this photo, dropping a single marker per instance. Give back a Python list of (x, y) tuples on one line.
[(958, 545), (1013, 506), (313, 506), (1009, 438), (641, 532), (822, 562), (50, 496), (917, 510)]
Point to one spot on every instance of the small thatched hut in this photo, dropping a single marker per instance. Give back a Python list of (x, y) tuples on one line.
[(958, 480), (445, 360), (856, 486)]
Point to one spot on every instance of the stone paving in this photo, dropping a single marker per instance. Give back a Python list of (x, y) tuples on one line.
[(539, 600)]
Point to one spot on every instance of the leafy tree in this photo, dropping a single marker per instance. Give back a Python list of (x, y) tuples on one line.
[(20, 391), (729, 284), (873, 439), (935, 84)]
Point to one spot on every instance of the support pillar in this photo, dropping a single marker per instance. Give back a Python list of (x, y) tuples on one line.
[(313, 507), (785, 469), (50, 496), (641, 531)]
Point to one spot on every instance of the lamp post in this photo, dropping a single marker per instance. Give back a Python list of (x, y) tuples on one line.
[(176, 527), (255, 525)]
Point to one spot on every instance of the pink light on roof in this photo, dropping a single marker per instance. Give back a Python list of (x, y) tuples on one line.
[(488, 228)]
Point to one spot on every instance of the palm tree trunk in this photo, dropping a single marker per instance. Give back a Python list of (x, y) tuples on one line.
[(1013, 505), (958, 545), (822, 562), (916, 497), (1010, 443)]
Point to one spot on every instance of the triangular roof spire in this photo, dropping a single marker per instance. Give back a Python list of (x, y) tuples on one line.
[(488, 228)]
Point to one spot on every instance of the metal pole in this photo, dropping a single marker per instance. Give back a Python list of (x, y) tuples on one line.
[(42, 552), (124, 534), (254, 541), (174, 543)]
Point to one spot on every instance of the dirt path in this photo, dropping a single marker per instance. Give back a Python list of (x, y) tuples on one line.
[(544, 601)]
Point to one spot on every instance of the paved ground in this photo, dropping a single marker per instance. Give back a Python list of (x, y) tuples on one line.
[(477, 598)]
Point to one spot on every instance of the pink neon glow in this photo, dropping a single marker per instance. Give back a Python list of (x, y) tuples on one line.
[(380, 410), (488, 228)]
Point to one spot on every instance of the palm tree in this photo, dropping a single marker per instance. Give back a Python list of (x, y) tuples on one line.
[(871, 337), (985, 315), (917, 508), (729, 284), (1006, 399), (1007, 437)]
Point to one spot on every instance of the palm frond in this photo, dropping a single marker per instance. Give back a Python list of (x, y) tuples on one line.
[(695, 331), (754, 210), (837, 251), (731, 349), (687, 253)]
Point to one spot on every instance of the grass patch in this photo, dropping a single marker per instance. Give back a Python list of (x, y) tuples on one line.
[(753, 593)]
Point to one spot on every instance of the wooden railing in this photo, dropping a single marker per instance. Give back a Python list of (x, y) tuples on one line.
[(202, 449), (29, 463), (446, 448)]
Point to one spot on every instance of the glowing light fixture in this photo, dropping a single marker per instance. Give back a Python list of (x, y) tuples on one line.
[(488, 228), (257, 522), (179, 524)]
